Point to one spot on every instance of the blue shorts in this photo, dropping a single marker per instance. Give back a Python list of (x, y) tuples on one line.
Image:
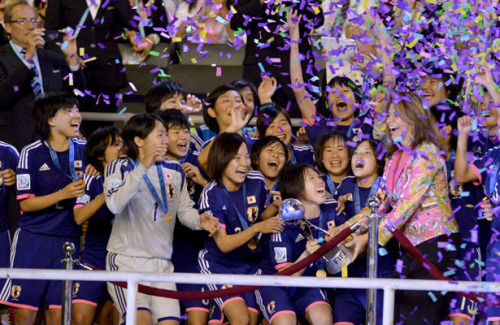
[(193, 305), (468, 269), (34, 251), (493, 274), (4, 257), (275, 301), (210, 266), (91, 292)]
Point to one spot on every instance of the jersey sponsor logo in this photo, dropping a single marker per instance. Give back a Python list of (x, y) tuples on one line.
[(76, 288), (331, 224), (271, 307), (44, 167), (252, 213), (280, 254), (251, 199), (299, 238), (170, 191), (23, 182), (78, 164), (224, 207), (84, 199), (16, 292)]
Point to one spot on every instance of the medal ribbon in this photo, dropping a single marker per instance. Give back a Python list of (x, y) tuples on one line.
[(53, 155), (163, 204), (356, 197)]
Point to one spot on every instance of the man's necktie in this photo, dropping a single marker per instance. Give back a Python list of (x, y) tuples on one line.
[(36, 82)]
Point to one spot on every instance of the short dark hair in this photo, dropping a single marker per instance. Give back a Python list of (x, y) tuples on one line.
[(320, 147), (47, 107), (262, 144), (97, 143), (452, 82), (162, 91), (267, 116), (210, 121), (141, 126), (377, 149), (323, 106), (292, 186), (447, 114), (224, 147), (242, 84), (173, 118)]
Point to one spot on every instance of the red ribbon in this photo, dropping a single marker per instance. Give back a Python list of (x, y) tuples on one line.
[(233, 291)]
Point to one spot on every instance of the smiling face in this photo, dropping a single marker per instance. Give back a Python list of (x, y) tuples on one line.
[(364, 163), (434, 90), (237, 169), (248, 99), (66, 122), (314, 188), (179, 140), (271, 161), (336, 158), (489, 112), (157, 136), (280, 128), (113, 150), (340, 100), (224, 106), (399, 129)]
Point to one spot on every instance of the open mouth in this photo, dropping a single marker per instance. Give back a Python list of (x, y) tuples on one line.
[(182, 146), (242, 172), (273, 164), (336, 163), (75, 125), (359, 164), (393, 128), (321, 190)]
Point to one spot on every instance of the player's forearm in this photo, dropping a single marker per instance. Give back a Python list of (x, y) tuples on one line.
[(228, 243), (463, 172), (38, 203), (203, 157), (86, 212)]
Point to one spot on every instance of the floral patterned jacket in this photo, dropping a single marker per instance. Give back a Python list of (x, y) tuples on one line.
[(416, 196)]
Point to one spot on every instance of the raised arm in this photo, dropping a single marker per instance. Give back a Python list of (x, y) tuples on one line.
[(464, 173)]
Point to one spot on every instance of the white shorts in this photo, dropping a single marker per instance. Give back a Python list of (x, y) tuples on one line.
[(161, 309)]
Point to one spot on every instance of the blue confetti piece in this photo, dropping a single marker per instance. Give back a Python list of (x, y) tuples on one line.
[(474, 125), (261, 67), (449, 273), (433, 297), (382, 251), (64, 45), (465, 194), (122, 111)]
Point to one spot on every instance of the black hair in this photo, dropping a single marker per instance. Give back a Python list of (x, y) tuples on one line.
[(262, 144), (162, 91), (242, 84), (97, 143), (267, 116), (452, 82), (172, 118), (141, 126), (292, 186), (210, 121), (320, 147), (337, 81), (447, 114), (224, 148), (377, 148), (47, 107)]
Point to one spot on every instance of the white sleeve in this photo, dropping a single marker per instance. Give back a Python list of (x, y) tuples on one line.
[(120, 185), (188, 215)]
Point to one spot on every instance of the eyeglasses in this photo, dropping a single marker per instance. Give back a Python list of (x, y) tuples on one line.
[(23, 22)]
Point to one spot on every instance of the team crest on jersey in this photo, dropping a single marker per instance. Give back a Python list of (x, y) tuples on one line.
[(76, 288), (114, 183), (280, 254), (84, 199), (271, 307), (251, 199), (252, 213), (227, 286), (170, 191), (78, 164), (16, 292), (23, 182)]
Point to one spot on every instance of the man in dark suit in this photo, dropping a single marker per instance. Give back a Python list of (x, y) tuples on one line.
[(104, 21), (28, 71)]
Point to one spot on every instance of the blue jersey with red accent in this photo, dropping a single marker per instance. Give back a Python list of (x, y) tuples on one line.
[(37, 175), (362, 125), (302, 153), (8, 160), (287, 246), (100, 223), (250, 206)]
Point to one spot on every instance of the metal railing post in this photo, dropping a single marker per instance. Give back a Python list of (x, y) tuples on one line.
[(371, 264), (388, 313), (67, 292), (132, 288)]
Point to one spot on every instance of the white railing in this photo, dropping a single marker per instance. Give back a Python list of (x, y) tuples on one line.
[(388, 285)]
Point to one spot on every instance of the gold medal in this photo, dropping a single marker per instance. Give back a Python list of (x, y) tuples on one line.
[(252, 244), (168, 217), (321, 273)]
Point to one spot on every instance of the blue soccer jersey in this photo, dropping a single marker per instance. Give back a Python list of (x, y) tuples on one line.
[(247, 202), (38, 175), (331, 186), (302, 154), (359, 201), (100, 224), (360, 127), (8, 160)]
